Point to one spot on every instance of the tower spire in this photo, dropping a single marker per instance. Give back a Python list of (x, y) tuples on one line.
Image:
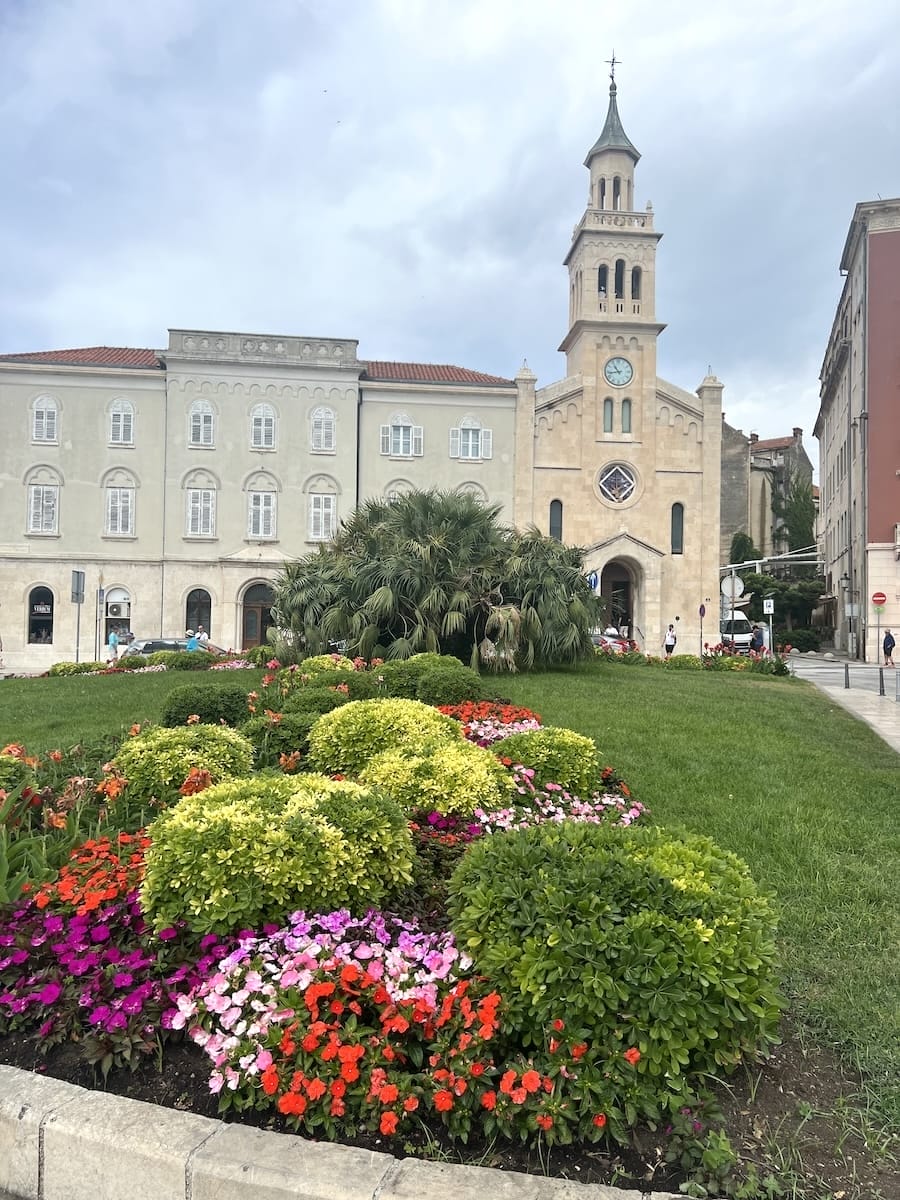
[(613, 136)]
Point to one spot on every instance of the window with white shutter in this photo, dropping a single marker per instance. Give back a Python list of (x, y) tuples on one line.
[(201, 512), (402, 439), (120, 511), (322, 431), (261, 515), (262, 427), (44, 428), (121, 423), (322, 516), (42, 508), (202, 424), (470, 441)]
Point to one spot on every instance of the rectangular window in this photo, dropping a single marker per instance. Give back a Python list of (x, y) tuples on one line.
[(201, 428), (322, 432), (261, 515), (120, 511), (262, 435), (322, 516), (121, 427), (402, 441), (471, 443), (201, 512), (44, 423), (42, 508)]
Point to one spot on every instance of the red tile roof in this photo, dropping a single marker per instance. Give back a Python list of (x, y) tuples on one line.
[(400, 372), (91, 356), (781, 443)]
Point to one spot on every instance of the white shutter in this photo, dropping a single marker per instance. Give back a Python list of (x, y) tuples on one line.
[(454, 443), (487, 446), (209, 511), (418, 441), (385, 439), (36, 507), (49, 525), (127, 433)]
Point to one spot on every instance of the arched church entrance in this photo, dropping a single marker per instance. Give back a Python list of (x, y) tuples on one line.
[(256, 615), (617, 593)]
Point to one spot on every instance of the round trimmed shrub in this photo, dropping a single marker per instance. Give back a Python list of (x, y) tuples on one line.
[(449, 683), (157, 762), (77, 668), (326, 662), (271, 738), (400, 676), (344, 740), (556, 756), (212, 704), (250, 851), (360, 684), (637, 937), (132, 662), (451, 778), (313, 700), (189, 660)]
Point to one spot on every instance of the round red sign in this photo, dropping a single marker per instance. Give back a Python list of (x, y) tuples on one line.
[(878, 599)]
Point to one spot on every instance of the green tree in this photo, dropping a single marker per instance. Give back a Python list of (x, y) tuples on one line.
[(797, 512), (436, 571), (742, 548)]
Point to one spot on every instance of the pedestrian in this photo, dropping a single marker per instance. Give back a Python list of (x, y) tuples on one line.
[(113, 646), (611, 631), (757, 640), (669, 641), (888, 646), (192, 642), (202, 635)]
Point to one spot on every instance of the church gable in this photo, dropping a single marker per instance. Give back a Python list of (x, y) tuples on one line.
[(678, 410)]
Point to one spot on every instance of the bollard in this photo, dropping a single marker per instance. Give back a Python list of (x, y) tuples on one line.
[(881, 681), (846, 675)]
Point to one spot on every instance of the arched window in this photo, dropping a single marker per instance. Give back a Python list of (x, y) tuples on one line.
[(617, 192), (44, 427), (471, 440), (678, 529), (635, 283), (121, 423), (40, 616), (262, 427), (556, 511), (607, 415), (603, 280), (603, 193), (198, 610), (620, 278), (321, 432), (202, 424), (626, 416)]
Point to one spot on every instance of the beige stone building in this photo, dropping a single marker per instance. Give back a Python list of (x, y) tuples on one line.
[(179, 481)]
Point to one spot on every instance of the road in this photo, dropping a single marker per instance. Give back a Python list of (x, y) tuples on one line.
[(863, 676)]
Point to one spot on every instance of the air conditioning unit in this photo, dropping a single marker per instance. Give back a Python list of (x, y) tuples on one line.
[(119, 608)]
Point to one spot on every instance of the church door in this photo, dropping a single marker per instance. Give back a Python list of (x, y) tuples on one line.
[(257, 615)]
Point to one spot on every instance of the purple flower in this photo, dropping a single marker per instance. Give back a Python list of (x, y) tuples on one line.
[(166, 935), (100, 933), (50, 993)]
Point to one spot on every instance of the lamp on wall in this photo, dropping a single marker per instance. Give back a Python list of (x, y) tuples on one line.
[(844, 581)]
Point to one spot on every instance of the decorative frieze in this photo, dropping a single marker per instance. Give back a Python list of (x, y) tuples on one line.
[(258, 348)]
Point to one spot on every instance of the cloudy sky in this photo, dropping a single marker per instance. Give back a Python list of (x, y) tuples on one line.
[(408, 173)]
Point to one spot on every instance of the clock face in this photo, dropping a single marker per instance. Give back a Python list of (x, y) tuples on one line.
[(619, 372)]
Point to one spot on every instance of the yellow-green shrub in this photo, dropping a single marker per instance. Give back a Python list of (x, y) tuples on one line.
[(250, 851), (157, 762), (454, 777), (344, 740), (556, 756), (326, 662)]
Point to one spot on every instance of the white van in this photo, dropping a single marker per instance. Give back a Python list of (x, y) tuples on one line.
[(735, 628)]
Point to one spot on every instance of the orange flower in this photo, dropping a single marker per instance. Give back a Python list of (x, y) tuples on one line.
[(579, 1050), (489, 1100), (506, 1083), (288, 762), (389, 1122), (193, 719), (56, 820), (269, 1080), (315, 1089), (134, 730), (443, 1100), (411, 1103), (633, 1056), (531, 1081), (198, 780), (518, 1095), (388, 1093), (55, 756), (292, 1104), (544, 1120)]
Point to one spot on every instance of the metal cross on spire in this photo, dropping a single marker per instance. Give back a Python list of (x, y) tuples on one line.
[(612, 66)]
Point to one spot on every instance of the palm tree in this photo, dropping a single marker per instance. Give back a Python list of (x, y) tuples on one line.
[(436, 571)]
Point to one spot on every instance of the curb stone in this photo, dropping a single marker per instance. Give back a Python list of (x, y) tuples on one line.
[(62, 1142)]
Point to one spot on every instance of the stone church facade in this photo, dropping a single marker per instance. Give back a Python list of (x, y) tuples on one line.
[(180, 481)]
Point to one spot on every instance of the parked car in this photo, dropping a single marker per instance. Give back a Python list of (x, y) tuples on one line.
[(617, 645), (735, 630), (151, 645)]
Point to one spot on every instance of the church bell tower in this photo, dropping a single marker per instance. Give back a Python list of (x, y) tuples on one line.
[(612, 267)]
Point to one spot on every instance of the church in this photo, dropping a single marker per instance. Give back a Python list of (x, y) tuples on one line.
[(176, 483)]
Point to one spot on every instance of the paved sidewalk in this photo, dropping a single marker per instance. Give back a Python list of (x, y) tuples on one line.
[(861, 698)]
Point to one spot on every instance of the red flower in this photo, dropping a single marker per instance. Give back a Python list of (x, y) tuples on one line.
[(506, 1083), (476, 1069), (388, 1094), (310, 1043), (315, 1089), (518, 1095), (269, 1080), (633, 1056), (599, 1120), (544, 1120), (578, 1050), (531, 1081), (559, 1024), (337, 1108), (489, 1100), (389, 1122), (443, 1100), (292, 1104), (411, 1103)]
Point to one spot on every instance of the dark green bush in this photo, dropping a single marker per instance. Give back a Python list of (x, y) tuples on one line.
[(450, 683), (271, 739), (313, 699), (191, 660), (638, 938), (799, 639), (258, 655), (132, 662), (401, 675), (212, 704), (556, 756), (360, 684)]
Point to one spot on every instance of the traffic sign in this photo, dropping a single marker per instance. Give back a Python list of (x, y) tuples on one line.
[(731, 587), (879, 599), (702, 611), (768, 606)]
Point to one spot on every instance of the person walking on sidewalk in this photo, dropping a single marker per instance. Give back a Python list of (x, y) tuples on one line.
[(669, 641), (888, 647)]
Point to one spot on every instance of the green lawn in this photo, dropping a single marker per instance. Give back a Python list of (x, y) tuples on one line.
[(768, 768)]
